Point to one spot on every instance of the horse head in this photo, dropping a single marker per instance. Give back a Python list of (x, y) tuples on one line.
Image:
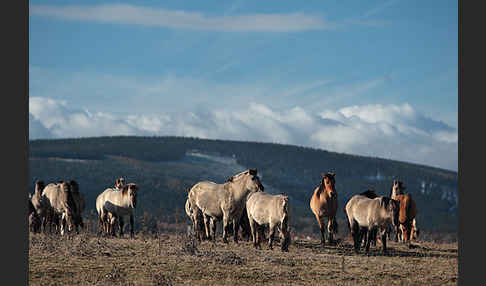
[(39, 186), (397, 188), (131, 193), (254, 184), (249, 179), (328, 184), (74, 186), (119, 183)]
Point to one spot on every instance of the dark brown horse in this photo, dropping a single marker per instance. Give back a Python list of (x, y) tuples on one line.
[(324, 204)]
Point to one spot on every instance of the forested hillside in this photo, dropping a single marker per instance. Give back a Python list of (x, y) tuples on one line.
[(166, 167)]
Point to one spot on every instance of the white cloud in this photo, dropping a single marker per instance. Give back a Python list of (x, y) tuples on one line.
[(396, 132), (149, 16)]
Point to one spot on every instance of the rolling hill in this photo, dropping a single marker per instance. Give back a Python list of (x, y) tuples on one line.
[(166, 167)]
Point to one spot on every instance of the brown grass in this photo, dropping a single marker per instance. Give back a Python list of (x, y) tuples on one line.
[(175, 259)]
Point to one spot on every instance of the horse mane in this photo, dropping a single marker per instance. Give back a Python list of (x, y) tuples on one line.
[(385, 201), (125, 188), (370, 193), (252, 172)]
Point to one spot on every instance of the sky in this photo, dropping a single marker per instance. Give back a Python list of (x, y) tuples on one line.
[(371, 78)]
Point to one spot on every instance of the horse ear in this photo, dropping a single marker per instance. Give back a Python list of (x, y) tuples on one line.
[(253, 171), (332, 174)]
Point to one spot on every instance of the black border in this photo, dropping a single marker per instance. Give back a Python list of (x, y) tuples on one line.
[(14, 118)]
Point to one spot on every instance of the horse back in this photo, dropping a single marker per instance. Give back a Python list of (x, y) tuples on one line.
[(209, 197)]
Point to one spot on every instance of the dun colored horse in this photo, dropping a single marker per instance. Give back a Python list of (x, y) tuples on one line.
[(272, 210), (223, 201), (372, 215), (324, 204)]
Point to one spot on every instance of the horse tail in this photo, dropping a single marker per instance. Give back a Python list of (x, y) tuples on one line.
[(285, 224)]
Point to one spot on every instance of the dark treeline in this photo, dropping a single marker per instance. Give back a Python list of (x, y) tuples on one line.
[(158, 165)]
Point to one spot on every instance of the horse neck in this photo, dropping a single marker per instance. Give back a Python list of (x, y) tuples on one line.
[(395, 193), (124, 199), (238, 189), (321, 190)]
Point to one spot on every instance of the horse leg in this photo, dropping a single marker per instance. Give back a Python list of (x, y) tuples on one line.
[(383, 241), (368, 240), (212, 224), (322, 227), (236, 226), (261, 235), (284, 234), (363, 236), (206, 226), (225, 227), (270, 235), (356, 233), (397, 232), (373, 237), (330, 229), (121, 225), (253, 231)]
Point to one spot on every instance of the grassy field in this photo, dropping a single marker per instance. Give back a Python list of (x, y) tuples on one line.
[(175, 259)]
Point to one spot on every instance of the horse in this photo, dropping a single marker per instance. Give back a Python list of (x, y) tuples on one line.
[(324, 204), (62, 209), (396, 190), (200, 234), (373, 215), (223, 201), (371, 194), (34, 220), (272, 210), (80, 204), (119, 203), (406, 218), (40, 203), (109, 224)]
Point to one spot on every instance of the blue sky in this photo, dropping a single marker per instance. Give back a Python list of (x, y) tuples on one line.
[(375, 78)]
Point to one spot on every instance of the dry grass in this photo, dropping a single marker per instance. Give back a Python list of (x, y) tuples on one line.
[(175, 259)]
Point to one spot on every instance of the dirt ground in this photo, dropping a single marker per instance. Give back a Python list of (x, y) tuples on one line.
[(176, 259)]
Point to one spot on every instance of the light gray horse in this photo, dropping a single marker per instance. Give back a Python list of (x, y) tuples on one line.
[(223, 201), (62, 207), (40, 203), (272, 210), (372, 215), (119, 203)]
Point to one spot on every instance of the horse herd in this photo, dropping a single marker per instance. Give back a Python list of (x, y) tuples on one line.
[(238, 202)]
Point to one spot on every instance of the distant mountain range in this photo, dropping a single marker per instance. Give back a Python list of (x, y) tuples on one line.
[(166, 167)]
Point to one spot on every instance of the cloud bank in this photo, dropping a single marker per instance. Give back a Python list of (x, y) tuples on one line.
[(387, 131), (179, 19)]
